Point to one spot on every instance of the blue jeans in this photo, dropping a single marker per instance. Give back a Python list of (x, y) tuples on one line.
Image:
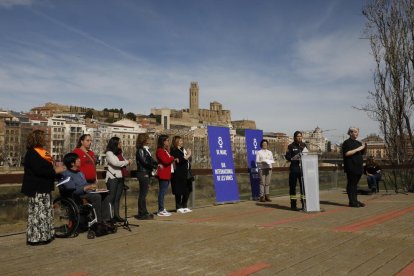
[(163, 189), (373, 181)]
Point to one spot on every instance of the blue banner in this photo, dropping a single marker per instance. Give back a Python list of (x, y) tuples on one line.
[(253, 138), (222, 164)]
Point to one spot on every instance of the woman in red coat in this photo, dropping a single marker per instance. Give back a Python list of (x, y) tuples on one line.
[(165, 161)]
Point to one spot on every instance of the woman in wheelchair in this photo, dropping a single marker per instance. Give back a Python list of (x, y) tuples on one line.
[(75, 181)]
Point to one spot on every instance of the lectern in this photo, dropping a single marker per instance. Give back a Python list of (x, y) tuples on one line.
[(310, 170)]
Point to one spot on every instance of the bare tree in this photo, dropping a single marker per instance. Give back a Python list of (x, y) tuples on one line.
[(390, 30)]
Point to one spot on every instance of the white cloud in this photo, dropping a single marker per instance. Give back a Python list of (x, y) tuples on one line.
[(55, 71), (333, 57), (12, 3)]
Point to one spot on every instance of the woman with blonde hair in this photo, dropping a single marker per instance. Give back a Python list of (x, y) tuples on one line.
[(353, 152), (181, 181)]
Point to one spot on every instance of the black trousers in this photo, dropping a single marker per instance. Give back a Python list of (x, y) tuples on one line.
[(115, 187), (294, 177), (352, 187), (100, 202), (181, 200), (144, 181)]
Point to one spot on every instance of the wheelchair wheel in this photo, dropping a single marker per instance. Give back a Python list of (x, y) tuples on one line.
[(66, 217)]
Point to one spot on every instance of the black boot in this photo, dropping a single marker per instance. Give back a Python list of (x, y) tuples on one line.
[(293, 206), (302, 202)]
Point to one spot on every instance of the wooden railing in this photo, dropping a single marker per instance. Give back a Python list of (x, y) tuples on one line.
[(17, 177)]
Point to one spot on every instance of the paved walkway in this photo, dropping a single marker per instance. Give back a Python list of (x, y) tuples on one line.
[(238, 239)]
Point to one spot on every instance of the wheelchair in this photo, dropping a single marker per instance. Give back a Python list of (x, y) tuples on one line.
[(73, 215)]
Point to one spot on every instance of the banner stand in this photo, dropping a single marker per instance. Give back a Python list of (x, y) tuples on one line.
[(253, 139), (222, 164)]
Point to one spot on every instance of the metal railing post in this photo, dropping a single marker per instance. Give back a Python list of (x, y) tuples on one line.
[(193, 196)]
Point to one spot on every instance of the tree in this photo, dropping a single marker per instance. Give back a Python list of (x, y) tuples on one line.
[(89, 113), (390, 30), (131, 116)]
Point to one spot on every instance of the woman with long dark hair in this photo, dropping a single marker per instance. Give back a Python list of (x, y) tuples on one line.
[(87, 158), (145, 166), (38, 183), (165, 161), (115, 176)]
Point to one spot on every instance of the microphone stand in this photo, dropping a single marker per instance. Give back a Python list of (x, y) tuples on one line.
[(126, 225)]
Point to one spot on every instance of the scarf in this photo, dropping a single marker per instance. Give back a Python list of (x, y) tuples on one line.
[(44, 154), (124, 170)]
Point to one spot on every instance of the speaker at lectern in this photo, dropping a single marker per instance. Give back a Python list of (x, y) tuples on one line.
[(310, 170)]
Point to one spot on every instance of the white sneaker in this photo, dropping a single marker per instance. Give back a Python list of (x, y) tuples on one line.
[(187, 210), (166, 213), (181, 210), (163, 213)]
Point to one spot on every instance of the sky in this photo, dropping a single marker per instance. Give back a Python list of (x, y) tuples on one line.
[(288, 65)]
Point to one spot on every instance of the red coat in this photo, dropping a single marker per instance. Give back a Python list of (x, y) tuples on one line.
[(164, 164)]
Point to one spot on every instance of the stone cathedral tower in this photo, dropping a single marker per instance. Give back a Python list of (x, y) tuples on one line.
[(194, 92)]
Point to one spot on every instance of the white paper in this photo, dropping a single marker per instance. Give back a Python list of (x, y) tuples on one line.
[(63, 181)]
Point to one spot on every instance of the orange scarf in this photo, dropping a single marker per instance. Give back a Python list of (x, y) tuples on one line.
[(44, 154)]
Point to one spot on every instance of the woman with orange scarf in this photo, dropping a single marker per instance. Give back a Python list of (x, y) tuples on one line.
[(38, 183)]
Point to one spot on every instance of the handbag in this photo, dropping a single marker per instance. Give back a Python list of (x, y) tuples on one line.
[(190, 176)]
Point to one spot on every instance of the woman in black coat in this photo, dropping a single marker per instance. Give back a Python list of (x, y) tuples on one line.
[(38, 183), (145, 167), (181, 181)]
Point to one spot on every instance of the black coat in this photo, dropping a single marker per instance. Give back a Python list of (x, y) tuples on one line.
[(179, 180), (353, 164), (39, 174), (293, 150), (145, 162)]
